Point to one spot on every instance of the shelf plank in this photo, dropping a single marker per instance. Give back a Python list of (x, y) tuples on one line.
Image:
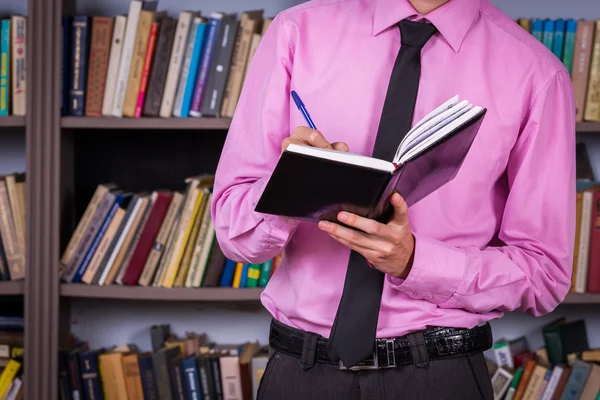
[(158, 294), (12, 288), (582, 298), (588, 127), (12, 121), (145, 123)]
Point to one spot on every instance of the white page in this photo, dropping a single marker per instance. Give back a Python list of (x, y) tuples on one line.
[(440, 134), (433, 125), (342, 156), (437, 111)]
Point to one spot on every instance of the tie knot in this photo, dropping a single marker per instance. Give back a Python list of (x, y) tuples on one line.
[(415, 34)]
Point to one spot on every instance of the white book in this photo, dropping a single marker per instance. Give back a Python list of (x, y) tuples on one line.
[(18, 47), (15, 389), (135, 8), (115, 253), (553, 383), (113, 64), (185, 69), (175, 63), (584, 242)]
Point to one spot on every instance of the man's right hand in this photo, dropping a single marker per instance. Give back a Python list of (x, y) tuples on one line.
[(305, 136)]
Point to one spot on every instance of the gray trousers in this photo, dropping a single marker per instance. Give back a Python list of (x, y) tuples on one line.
[(291, 378)]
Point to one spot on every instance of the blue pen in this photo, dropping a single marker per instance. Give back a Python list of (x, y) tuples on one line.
[(302, 109)]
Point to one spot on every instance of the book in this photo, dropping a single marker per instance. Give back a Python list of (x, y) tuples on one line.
[(325, 181)]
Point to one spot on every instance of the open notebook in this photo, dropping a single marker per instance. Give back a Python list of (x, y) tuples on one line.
[(312, 183)]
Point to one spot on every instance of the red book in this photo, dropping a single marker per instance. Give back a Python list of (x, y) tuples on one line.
[(146, 70), (147, 238), (594, 263)]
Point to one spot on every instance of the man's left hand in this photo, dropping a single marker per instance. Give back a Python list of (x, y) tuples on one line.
[(387, 247)]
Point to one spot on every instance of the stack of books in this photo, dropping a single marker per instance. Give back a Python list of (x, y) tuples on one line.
[(13, 77), (12, 227), (188, 368), (162, 239), (565, 368), (577, 44), (11, 357), (150, 64)]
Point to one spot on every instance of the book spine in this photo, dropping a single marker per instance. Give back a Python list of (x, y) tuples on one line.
[(146, 72), (592, 105), (63, 372), (177, 379), (4, 67), (113, 64), (594, 263), (135, 8), (552, 383), (148, 379), (75, 377), (525, 24), (213, 98), (79, 51), (568, 53), (215, 371), (19, 76), (185, 67), (548, 35), (228, 273), (576, 381), (65, 65), (215, 266), (192, 381), (4, 271), (161, 373), (205, 378), (559, 38), (584, 243), (102, 28), (88, 237), (253, 275), (133, 379), (193, 74), (265, 273), (175, 63), (581, 64), (160, 65), (205, 67), (8, 231), (537, 29), (90, 378)]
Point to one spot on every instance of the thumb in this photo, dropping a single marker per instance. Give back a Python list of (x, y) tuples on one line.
[(340, 146), (400, 210)]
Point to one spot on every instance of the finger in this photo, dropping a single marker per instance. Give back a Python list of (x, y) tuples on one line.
[(290, 140), (311, 137), (340, 146), (400, 210), (353, 237), (367, 225), (367, 253)]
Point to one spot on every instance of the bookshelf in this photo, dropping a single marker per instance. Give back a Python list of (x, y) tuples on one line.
[(588, 127), (81, 124), (11, 288), (12, 121)]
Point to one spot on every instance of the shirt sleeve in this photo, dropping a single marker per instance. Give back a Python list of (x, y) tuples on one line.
[(250, 153), (531, 270)]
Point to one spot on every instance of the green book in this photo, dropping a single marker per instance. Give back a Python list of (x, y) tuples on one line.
[(548, 35), (513, 385), (253, 275), (4, 67), (569, 50), (265, 273)]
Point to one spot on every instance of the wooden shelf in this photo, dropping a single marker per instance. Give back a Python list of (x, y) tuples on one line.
[(144, 123), (158, 294), (588, 127), (12, 121), (583, 298), (12, 288)]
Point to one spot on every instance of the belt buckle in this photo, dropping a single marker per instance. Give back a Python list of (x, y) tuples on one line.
[(370, 363)]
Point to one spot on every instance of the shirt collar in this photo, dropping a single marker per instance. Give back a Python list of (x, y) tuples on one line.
[(452, 19)]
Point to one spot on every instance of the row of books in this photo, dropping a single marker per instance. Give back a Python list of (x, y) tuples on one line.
[(175, 368), (162, 239), (12, 227), (564, 368), (150, 64), (11, 357), (13, 37), (577, 44)]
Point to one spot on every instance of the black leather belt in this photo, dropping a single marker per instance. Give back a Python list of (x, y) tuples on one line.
[(440, 343)]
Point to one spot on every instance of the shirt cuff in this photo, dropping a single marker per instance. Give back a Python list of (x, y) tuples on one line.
[(436, 273), (281, 228)]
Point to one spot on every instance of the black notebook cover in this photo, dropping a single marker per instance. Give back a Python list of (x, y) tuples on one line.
[(314, 189)]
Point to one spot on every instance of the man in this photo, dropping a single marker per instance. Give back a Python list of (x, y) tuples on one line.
[(405, 303)]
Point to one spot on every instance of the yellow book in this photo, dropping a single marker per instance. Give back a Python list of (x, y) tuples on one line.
[(592, 104), (9, 373), (237, 278), (577, 236), (191, 241), (526, 24)]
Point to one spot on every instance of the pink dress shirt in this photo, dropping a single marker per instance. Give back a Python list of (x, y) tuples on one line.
[(498, 238)]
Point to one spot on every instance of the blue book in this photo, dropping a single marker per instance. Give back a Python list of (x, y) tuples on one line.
[(121, 198), (90, 377), (228, 273), (4, 67), (559, 38), (147, 375), (244, 276), (569, 48), (194, 64), (537, 29), (192, 381), (548, 38), (78, 68), (205, 63), (65, 65), (576, 381)]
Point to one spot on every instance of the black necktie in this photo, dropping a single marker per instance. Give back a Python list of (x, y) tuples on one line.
[(352, 336)]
